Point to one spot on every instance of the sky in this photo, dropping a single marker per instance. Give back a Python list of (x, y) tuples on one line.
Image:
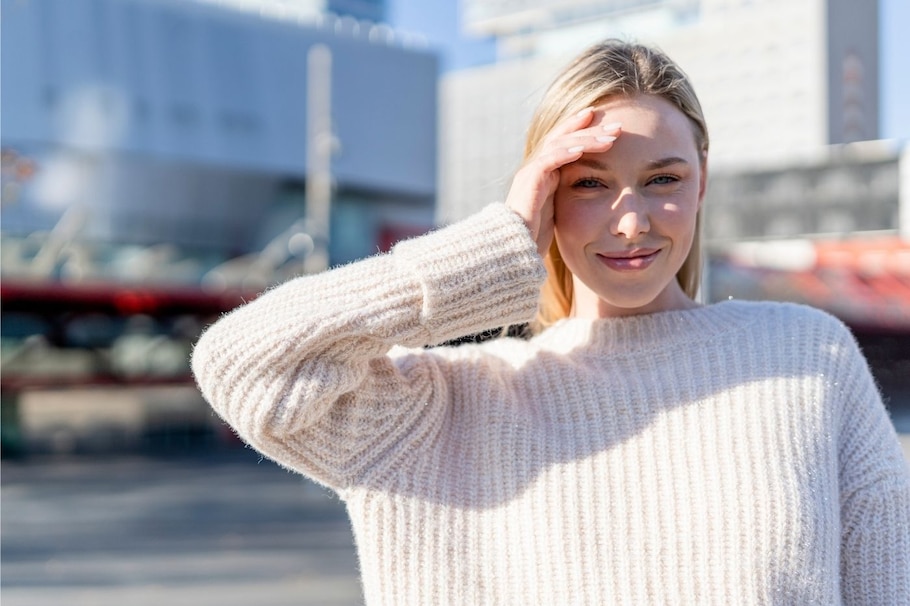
[(439, 21)]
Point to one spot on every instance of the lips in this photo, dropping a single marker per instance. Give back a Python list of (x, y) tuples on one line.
[(629, 260)]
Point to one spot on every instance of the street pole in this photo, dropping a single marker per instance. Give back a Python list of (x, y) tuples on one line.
[(320, 144)]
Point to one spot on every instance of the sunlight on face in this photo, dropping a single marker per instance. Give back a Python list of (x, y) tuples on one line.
[(625, 218)]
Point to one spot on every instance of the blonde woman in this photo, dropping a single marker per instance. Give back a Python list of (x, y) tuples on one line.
[(639, 448)]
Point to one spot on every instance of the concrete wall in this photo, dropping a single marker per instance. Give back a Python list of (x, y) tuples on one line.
[(169, 120)]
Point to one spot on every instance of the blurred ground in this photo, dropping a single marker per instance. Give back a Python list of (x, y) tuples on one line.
[(219, 530), (223, 529)]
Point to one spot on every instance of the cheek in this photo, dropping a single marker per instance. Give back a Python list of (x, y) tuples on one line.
[(678, 213), (677, 222), (673, 214), (574, 223), (570, 226), (575, 212)]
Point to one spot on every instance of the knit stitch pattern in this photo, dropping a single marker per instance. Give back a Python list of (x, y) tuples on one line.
[(737, 453)]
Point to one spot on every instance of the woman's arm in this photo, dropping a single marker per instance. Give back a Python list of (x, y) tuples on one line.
[(875, 492), (302, 372)]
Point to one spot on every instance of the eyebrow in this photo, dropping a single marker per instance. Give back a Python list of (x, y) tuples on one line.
[(654, 165)]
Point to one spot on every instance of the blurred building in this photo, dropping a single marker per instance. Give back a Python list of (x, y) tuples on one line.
[(364, 10), (159, 162), (833, 232), (155, 121), (777, 78)]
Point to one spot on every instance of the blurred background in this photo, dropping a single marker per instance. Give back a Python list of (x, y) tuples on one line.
[(165, 160)]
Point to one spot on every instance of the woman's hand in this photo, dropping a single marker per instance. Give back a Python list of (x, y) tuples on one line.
[(534, 185)]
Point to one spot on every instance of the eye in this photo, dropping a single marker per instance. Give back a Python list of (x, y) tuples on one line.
[(664, 180), (587, 183)]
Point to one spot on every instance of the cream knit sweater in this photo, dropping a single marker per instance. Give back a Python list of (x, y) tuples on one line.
[(738, 453)]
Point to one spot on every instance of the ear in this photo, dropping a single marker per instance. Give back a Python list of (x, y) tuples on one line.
[(703, 178)]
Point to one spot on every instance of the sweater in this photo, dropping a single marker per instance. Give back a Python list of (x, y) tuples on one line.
[(735, 453)]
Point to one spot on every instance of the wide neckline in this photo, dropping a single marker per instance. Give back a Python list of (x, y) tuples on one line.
[(646, 331)]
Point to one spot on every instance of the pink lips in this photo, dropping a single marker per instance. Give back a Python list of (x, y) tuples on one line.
[(631, 260)]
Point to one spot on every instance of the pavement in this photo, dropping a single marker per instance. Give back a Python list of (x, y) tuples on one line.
[(219, 530), (227, 529)]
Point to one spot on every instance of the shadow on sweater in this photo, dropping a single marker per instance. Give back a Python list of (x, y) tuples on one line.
[(509, 424)]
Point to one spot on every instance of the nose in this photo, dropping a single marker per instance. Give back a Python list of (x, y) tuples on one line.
[(630, 215)]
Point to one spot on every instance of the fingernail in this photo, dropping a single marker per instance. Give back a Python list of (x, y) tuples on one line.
[(576, 149), (606, 139), (613, 126)]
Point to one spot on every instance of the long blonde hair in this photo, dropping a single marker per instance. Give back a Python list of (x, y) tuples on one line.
[(612, 68)]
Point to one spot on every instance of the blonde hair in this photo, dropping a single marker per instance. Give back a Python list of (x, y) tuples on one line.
[(612, 68)]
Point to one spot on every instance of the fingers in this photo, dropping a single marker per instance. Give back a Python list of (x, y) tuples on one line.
[(573, 123), (558, 150), (564, 152)]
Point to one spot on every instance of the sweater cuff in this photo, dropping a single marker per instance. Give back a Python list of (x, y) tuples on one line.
[(480, 273)]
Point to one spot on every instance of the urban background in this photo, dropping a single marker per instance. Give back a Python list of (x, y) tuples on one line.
[(165, 160)]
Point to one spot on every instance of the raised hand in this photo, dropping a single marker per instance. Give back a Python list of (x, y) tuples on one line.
[(534, 185)]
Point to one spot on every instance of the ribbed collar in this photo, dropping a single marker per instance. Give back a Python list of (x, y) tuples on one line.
[(649, 331)]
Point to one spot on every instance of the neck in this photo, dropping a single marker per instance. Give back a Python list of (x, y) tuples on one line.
[(588, 304)]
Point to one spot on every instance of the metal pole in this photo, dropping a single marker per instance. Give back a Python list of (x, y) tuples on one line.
[(320, 144)]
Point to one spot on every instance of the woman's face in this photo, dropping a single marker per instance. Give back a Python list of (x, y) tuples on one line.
[(625, 218)]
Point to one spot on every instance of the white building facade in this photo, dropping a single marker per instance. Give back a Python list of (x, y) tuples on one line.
[(170, 122)]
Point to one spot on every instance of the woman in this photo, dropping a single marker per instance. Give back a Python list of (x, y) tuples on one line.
[(639, 449)]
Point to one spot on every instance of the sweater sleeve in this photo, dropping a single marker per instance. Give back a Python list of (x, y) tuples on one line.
[(875, 492), (303, 375)]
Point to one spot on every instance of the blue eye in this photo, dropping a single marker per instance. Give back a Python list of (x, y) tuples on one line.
[(664, 180), (587, 183)]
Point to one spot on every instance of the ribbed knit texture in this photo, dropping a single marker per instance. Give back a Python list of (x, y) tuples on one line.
[(737, 453)]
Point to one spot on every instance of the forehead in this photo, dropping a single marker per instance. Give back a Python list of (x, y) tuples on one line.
[(652, 117)]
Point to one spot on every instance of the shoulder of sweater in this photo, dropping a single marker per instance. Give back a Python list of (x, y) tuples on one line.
[(820, 335), (790, 315)]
